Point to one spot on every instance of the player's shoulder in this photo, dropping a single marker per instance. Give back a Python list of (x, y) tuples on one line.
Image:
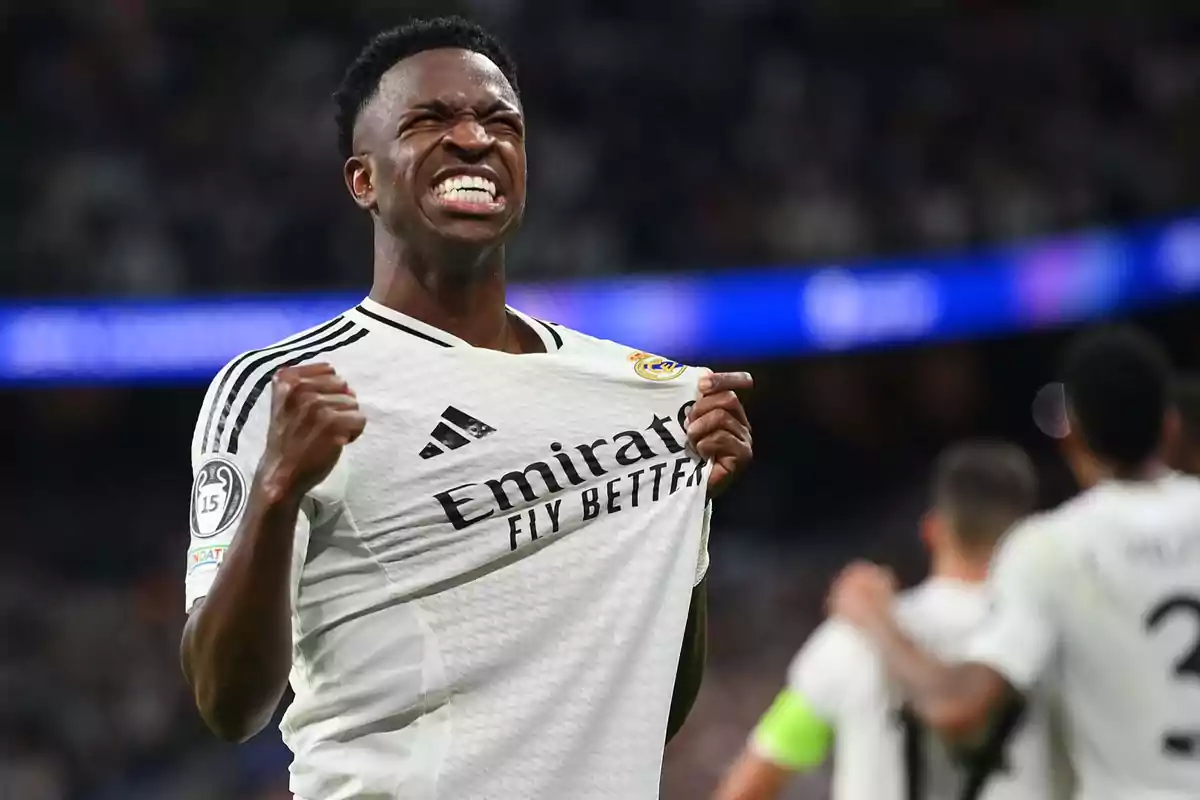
[(940, 612), (580, 342), (326, 341), (933, 598), (652, 366), (1040, 546), (1070, 523), (835, 643), (837, 669), (234, 399)]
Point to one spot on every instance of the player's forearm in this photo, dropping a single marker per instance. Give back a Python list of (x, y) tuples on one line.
[(236, 647), (752, 778), (950, 698), (690, 672)]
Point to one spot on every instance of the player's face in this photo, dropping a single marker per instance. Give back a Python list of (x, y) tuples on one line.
[(445, 144)]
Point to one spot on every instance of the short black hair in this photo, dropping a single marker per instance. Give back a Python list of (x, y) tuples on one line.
[(361, 80), (984, 487), (1117, 382)]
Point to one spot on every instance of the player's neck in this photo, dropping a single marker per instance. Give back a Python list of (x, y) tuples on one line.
[(462, 293), (1150, 470), (953, 567)]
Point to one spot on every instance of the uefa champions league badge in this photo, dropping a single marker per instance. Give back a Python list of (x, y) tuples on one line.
[(218, 497)]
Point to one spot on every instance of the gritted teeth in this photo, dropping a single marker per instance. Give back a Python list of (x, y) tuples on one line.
[(460, 186)]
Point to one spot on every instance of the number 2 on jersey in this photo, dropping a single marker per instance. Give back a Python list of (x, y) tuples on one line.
[(1187, 665)]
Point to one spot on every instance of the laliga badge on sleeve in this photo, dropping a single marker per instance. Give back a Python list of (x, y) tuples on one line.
[(218, 497)]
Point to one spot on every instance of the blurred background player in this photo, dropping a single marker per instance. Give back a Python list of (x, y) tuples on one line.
[(1097, 602), (838, 696)]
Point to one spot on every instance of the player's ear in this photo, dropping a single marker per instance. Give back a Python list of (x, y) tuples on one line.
[(357, 172)]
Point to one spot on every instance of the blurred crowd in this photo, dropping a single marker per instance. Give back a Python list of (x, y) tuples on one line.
[(181, 145)]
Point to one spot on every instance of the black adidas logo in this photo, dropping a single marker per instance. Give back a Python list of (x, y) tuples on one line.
[(450, 438)]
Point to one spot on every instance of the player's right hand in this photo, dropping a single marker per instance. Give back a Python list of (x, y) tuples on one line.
[(314, 414), (863, 595)]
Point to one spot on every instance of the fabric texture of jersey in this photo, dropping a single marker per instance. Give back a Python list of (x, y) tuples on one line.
[(1099, 599), (843, 680), (491, 587)]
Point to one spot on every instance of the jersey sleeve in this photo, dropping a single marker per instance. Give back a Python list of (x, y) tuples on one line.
[(1019, 635), (228, 442), (796, 731), (225, 456)]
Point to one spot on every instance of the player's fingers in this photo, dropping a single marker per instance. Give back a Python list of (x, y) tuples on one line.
[(725, 381), (307, 408), (717, 420), (719, 400), (305, 390), (287, 382), (310, 370), (342, 426), (857, 566), (723, 444), (352, 426), (328, 383), (848, 576)]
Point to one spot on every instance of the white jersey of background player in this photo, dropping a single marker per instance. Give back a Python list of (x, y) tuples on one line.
[(1099, 599), (838, 691), (478, 533)]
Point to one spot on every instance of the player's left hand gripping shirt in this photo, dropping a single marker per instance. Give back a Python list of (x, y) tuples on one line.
[(490, 590)]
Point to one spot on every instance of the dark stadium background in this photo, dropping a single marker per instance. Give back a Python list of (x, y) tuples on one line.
[(179, 148)]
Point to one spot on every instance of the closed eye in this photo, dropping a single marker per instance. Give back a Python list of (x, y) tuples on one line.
[(509, 121), (424, 119)]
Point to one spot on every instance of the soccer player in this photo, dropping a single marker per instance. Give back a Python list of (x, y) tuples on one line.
[(838, 696), (1098, 599), (469, 538)]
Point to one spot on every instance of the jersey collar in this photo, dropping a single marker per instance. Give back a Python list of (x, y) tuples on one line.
[(376, 314)]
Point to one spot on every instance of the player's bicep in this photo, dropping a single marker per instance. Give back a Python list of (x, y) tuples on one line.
[(797, 730), (792, 735), (835, 669)]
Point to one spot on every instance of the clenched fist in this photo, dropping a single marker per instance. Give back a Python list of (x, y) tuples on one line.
[(314, 414)]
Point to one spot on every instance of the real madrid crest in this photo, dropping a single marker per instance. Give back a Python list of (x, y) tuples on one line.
[(218, 497), (657, 368)]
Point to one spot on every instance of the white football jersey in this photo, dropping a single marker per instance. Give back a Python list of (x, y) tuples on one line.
[(1101, 597), (490, 590), (839, 673)]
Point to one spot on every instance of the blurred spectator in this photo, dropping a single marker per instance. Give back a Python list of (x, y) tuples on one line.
[(188, 146)]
